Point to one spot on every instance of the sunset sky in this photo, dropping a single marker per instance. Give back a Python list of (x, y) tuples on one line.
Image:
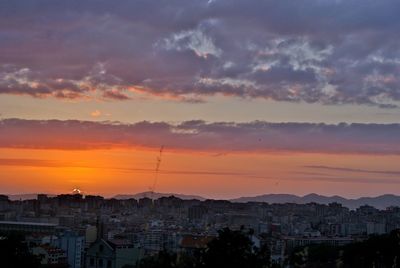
[(247, 97)]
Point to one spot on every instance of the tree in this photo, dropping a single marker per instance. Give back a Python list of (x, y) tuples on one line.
[(162, 259), (14, 252), (234, 249), (377, 251), (315, 256)]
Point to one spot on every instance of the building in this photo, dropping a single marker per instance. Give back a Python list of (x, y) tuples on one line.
[(196, 213), (192, 243), (294, 242), (4, 202), (90, 235), (112, 254), (73, 245), (376, 228), (125, 253), (28, 227), (153, 241), (51, 256)]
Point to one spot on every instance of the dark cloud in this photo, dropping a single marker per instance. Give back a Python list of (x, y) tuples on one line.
[(197, 135), (32, 162), (115, 95), (317, 51), (355, 170)]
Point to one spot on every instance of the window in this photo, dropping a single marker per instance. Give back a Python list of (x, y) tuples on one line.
[(91, 262), (101, 248), (108, 264), (101, 263)]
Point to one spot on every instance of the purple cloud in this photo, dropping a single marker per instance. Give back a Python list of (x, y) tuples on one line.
[(216, 137), (329, 52)]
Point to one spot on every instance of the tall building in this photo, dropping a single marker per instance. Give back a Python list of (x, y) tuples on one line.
[(112, 254), (90, 235), (73, 245)]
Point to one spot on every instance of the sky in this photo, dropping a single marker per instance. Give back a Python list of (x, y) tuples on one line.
[(245, 97)]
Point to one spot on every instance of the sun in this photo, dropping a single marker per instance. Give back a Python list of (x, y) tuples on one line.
[(76, 191)]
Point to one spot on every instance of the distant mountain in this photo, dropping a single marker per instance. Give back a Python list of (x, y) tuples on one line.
[(269, 198), (380, 202), (158, 195)]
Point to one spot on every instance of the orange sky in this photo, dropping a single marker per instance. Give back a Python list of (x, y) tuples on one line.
[(116, 171)]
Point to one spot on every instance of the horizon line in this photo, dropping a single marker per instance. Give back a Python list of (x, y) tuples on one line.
[(114, 195)]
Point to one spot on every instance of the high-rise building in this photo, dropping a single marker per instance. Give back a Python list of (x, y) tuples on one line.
[(73, 245)]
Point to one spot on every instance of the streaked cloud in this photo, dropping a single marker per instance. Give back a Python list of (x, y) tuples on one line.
[(45, 163), (318, 51), (355, 170), (251, 175), (216, 137), (27, 162)]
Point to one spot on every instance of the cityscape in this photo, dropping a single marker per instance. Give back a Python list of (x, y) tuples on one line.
[(73, 230), (200, 134)]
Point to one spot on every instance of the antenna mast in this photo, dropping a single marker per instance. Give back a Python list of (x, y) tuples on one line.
[(158, 163)]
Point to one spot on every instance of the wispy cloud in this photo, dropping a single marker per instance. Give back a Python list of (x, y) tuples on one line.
[(44, 163), (26, 162)]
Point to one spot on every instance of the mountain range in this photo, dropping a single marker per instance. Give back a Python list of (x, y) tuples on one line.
[(380, 202), (154, 195)]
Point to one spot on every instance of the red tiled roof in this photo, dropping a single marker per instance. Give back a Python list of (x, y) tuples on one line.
[(192, 241)]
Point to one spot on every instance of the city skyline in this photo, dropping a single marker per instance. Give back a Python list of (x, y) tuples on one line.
[(245, 99)]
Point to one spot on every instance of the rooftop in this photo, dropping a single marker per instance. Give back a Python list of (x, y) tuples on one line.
[(29, 223), (191, 241)]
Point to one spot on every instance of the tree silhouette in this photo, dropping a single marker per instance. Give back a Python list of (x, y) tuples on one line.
[(14, 252), (378, 251), (315, 256), (162, 259), (234, 249)]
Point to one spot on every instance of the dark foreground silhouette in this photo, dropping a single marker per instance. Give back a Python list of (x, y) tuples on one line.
[(234, 249), (14, 252), (379, 251)]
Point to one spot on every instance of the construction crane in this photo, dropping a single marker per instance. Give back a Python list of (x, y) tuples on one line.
[(152, 188)]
